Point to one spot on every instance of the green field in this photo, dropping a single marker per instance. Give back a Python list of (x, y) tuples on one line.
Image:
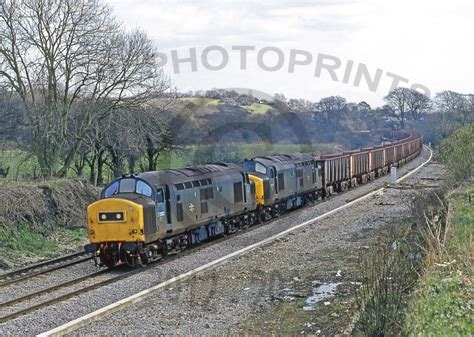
[(232, 152), (22, 165), (257, 108), (25, 165), (200, 100), (254, 108)]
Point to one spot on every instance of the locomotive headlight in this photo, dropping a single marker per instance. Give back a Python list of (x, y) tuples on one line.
[(134, 231), (91, 232), (111, 217)]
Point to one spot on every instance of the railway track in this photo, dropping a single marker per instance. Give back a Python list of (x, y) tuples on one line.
[(62, 297), (41, 268)]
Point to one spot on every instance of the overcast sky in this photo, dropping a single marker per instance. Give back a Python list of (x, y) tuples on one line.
[(426, 42)]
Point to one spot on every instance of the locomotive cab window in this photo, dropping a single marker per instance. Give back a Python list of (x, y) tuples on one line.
[(159, 195), (111, 190), (127, 185), (272, 172), (249, 166), (160, 205), (260, 168), (144, 189), (252, 166)]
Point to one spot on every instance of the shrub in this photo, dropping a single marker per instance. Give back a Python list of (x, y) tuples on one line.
[(457, 152)]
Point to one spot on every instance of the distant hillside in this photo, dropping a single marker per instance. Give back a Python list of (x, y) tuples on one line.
[(206, 106), (230, 117)]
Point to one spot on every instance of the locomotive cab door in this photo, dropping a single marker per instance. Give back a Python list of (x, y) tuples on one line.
[(161, 210), (167, 202), (273, 179)]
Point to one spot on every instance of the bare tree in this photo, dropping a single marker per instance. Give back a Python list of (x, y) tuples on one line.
[(333, 108), (364, 107), (124, 138), (13, 123), (460, 106), (418, 104), (166, 128), (398, 100), (65, 56), (280, 103), (301, 105)]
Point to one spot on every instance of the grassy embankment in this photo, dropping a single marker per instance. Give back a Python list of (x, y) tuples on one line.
[(42, 219), (443, 302), (24, 245), (435, 298)]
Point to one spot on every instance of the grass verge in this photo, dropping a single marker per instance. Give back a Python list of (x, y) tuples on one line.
[(442, 304), (22, 244)]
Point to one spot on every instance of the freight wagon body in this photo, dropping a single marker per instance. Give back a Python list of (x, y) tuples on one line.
[(349, 169), (376, 161), (336, 172), (359, 166)]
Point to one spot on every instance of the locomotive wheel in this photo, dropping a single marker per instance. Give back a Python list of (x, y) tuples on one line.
[(143, 259), (132, 261), (259, 215), (108, 261)]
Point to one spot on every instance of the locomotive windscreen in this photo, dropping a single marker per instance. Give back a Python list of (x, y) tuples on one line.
[(128, 185), (253, 166)]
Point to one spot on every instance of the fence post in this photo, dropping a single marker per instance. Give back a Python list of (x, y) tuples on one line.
[(393, 175), (13, 166)]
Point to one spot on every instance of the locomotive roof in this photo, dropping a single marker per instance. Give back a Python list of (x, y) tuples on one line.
[(190, 173), (283, 158)]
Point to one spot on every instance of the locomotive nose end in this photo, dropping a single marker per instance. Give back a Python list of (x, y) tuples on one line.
[(115, 220)]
